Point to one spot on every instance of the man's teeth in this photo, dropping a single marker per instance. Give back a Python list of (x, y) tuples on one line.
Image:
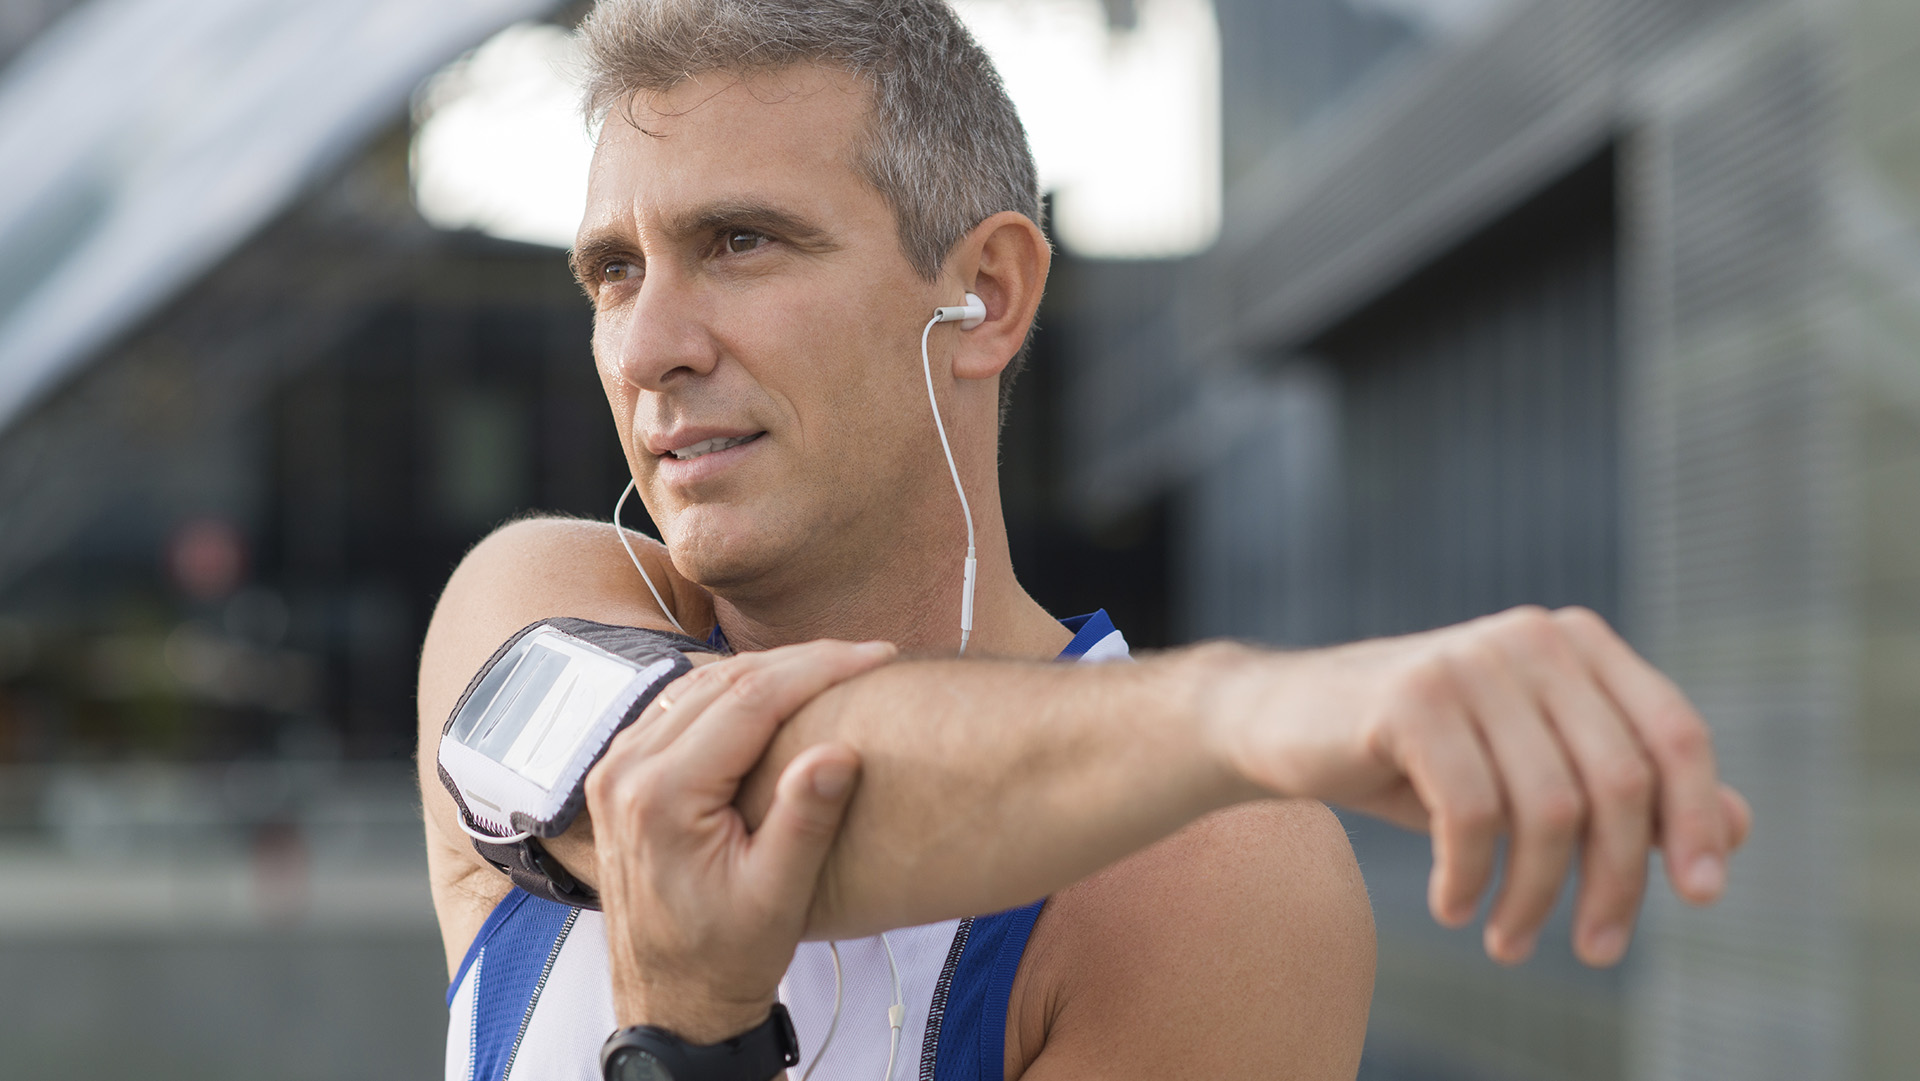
[(687, 454)]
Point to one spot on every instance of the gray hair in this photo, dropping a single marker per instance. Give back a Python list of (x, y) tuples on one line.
[(945, 147)]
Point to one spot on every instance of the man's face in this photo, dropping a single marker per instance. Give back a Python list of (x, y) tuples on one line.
[(751, 295)]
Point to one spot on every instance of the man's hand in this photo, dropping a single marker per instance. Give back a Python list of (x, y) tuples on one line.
[(1541, 726), (702, 915)]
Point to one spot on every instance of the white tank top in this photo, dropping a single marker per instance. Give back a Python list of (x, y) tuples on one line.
[(533, 998)]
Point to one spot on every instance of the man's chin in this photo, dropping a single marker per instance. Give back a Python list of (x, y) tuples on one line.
[(728, 551)]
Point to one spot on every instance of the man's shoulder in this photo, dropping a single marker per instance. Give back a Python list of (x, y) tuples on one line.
[(1253, 920), (548, 566), (524, 571), (1232, 875)]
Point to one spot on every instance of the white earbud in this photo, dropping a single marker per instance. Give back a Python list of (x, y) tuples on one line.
[(970, 314)]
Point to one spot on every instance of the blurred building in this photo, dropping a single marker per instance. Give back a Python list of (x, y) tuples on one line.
[(1612, 303), (252, 411)]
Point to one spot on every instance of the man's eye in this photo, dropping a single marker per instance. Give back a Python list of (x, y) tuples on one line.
[(618, 272), (744, 241)]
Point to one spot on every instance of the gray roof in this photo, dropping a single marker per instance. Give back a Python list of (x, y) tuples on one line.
[(141, 141)]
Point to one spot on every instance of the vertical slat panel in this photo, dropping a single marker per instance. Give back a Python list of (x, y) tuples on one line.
[(1738, 545)]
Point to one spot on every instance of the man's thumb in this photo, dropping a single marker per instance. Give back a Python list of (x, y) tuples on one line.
[(809, 803)]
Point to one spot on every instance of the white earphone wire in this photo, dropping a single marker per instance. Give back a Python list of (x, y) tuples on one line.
[(967, 581), (509, 839), (896, 1013), (621, 532), (834, 1024)]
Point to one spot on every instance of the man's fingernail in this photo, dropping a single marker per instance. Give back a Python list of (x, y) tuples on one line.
[(1510, 950), (1706, 875), (1608, 943), (831, 780), (875, 649)]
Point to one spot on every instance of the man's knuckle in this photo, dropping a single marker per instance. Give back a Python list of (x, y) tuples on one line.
[(1481, 656), (1527, 636), (752, 688), (1529, 619), (1680, 735), (1625, 780), (1558, 809), (1470, 814), (1581, 619)]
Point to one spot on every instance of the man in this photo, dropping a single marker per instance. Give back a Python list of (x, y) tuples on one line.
[(782, 194)]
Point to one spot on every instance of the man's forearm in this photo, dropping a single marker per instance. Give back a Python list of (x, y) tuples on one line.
[(986, 785)]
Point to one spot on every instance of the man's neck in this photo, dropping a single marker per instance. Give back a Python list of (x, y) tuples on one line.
[(915, 606)]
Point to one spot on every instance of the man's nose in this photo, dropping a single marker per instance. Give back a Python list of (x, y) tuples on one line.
[(665, 338)]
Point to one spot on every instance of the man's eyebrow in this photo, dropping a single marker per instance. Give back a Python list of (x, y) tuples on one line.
[(595, 249), (783, 225), (599, 246)]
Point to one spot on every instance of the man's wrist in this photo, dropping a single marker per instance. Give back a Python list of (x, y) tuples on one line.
[(1207, 675), (697, 1019), (650, 1053)]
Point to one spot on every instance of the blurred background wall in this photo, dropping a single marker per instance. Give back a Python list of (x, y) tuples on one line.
[(1396, 312)]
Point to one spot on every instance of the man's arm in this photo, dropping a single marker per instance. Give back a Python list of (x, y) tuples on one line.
[(993, 783), (989, 784)]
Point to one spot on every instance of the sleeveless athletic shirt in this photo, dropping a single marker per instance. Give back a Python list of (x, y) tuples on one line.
[(533, 998)]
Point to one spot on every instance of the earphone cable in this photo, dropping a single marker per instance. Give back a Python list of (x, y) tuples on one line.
[(967, 582), (896, 1013), (832, 1025), (620, 532)]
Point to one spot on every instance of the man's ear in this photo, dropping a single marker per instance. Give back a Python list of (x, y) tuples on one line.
[(1003, 261)]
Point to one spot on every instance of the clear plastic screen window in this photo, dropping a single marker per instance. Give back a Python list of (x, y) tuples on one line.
[(540, 701)]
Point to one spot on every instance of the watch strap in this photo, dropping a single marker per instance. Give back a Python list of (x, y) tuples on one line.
[(643, 1053)]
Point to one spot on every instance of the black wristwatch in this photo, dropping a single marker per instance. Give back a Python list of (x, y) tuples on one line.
[(645, 1053)]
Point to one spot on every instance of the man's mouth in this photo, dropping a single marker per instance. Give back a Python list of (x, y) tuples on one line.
[(708, 446)]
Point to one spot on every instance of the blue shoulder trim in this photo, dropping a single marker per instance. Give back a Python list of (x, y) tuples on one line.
[(501, 913), (973, 1035), (520, 938), (1087, 630)]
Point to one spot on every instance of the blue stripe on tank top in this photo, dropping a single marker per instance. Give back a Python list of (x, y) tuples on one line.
[(516, 940), (501, 913), (973, 1031), (973, 1035), (1087, 630)]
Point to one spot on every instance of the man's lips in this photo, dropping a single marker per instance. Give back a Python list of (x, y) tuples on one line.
[(708, 458), (691, 444)]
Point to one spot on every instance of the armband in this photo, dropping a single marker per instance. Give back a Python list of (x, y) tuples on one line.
[(516, 750)]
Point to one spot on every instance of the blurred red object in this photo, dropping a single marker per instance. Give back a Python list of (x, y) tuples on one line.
[(207, 558)]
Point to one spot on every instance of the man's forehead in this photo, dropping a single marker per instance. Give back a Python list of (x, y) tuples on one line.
[(720, 138)]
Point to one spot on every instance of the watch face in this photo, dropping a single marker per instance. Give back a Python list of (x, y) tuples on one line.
[(633, 1064)]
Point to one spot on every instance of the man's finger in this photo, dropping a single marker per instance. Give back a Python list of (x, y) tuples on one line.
[(728, 737), (1545, 807), (1448, 768), (809, 802), (1694, 829), (1739, 815), (1618, 780), (679, 702)]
